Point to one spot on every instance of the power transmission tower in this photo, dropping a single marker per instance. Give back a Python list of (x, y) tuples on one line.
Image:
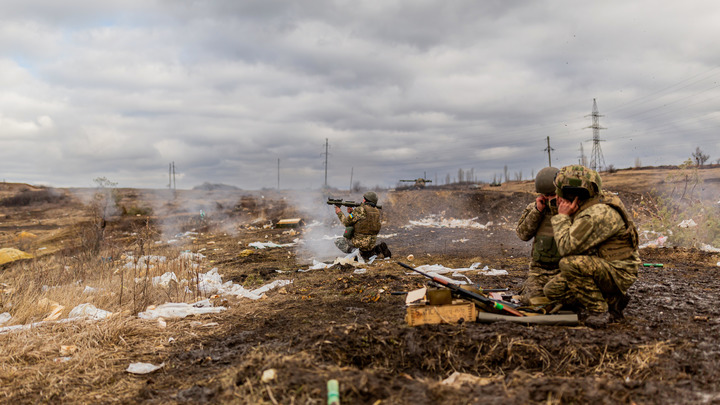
[(548, 149), (326, 160), (582, 159), (597, 161)]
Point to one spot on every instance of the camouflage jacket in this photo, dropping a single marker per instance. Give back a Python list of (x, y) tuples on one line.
[(360, 241), (537, 224), (587, 230)]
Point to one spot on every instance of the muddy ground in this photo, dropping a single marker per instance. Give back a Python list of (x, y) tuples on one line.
[(333, 323)]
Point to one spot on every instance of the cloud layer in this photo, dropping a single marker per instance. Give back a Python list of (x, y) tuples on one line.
[(400, 89)]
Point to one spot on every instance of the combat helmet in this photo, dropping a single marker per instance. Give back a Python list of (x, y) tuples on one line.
[(371, 197), (545, 180), (573, 179)]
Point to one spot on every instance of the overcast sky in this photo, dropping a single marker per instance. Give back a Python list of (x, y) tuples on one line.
[(400, 89)]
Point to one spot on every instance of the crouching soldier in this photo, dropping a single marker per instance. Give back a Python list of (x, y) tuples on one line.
[(535, 223), (598, 242), (362, 227)]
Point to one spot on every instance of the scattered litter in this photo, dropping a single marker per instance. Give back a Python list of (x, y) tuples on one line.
[(5, 317), (411, 257), (457, 379), (143, 368), (161, 323), (55, 309), (290, 223), (463, 240), (179, 310), (360, 271), (9, 255), (89, 290), (26, 235), (62, 359), (66, 350), (246, 253), (269, 375), (440, 269), (389, 235), (165, 279), (211, 283), (434, 221), (82, 311), (88, 311), (658, 243), (333, 392), (263, 245), (415, 295), (195, 257), (198, 324), (709, 248), (688, 223)]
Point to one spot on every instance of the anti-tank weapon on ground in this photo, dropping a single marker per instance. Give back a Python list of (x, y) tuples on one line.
[(340, 203), (478, 299)]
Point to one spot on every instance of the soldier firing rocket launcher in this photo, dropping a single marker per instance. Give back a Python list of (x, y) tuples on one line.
[(340, 203)]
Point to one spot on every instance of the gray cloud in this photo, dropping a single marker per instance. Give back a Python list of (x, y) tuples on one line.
[(399, 88)]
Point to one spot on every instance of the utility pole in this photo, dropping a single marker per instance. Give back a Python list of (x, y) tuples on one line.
[(278, 174), (351, 176), (326, 161), (169, 176), (597, 162), (173, 179), (548, 149)]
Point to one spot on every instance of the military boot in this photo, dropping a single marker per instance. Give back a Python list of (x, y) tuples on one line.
[(385, 251), (617, 305), (597, 320)]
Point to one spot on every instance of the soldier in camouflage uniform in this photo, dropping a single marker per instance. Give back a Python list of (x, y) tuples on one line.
[(364, 224), (599, 246), (535, 224)]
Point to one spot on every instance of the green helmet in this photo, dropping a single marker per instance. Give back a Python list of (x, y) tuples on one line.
[(570, 180), (370, 196), (545, 180)]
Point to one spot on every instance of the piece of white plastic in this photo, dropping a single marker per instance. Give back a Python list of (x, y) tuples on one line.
[(143, 368), (178, 310), (5, 317), (88, 311)]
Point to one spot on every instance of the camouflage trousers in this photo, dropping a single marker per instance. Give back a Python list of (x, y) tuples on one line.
[(532, 292), (344, 245), (585, 281)]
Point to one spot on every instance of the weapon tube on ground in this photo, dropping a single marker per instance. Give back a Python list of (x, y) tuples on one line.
[(469, 295)]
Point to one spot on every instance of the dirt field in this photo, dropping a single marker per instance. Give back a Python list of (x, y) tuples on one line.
[(336, 323)]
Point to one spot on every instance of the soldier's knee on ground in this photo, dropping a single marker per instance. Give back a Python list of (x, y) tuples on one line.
[(343, 244)]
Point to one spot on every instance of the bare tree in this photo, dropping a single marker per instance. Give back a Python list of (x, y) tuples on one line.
[(638, 163), (699, 157), (461, 175), (505, 170)]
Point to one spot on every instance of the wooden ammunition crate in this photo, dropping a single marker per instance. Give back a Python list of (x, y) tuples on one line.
[(433, 314)]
